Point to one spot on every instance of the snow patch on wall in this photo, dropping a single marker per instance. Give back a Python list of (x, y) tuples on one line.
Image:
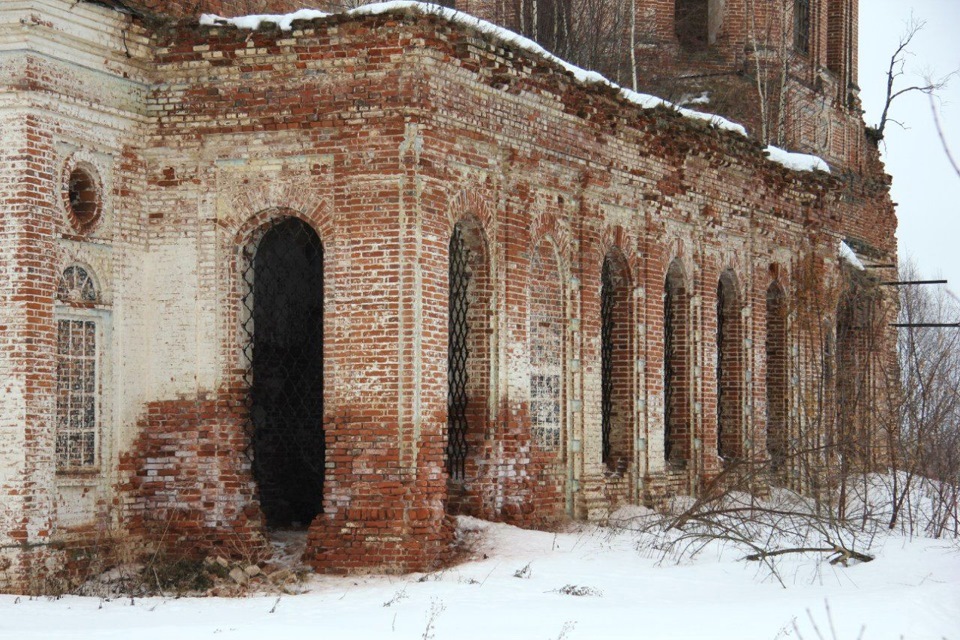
[(796, 161), (848, 254)]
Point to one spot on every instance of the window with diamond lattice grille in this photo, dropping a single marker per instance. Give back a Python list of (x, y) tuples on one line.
[(458, 356), (77, 394)]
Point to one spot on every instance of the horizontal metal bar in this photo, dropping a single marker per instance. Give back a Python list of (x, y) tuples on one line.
[(880, 266), (951, 325), (911, 282)]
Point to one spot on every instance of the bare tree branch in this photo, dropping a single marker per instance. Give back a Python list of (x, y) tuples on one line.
[(896, 70), (943, 138)]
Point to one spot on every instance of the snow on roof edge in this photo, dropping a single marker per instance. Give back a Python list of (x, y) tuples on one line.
[(849, 255), (794, 161), (645, 101)]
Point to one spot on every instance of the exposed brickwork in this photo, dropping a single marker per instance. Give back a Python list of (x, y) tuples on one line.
[(382, 134)]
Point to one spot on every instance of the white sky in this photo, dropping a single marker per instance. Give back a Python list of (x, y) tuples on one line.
[(924, 185)]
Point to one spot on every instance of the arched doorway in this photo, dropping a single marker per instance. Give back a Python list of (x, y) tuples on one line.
[(284, 332)]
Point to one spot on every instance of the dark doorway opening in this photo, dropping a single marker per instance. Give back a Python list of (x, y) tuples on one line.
[(284, 329)]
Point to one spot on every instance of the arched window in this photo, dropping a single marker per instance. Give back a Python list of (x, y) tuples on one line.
[(677, 436), (76, 285), (546, 314), (616, 362), (730, 365), (284, 332), (78, 371), (777, 386), (468, 349)]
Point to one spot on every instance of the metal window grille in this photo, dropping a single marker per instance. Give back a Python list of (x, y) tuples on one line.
[(721, 404), (545, 409), (283, 327), (801, 26), (606, 355), (457, 355), (669, 347), (76, 404)]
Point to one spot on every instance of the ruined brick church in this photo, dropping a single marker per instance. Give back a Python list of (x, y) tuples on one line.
[(364, 271)]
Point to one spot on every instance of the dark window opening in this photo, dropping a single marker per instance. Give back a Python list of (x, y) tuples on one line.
[(692, 23), (468, 365), (616, 408), (801, 26), (729, 370), (676, 411), (284, 330)]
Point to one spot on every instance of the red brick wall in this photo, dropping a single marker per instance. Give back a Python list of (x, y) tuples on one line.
[(382, 133)]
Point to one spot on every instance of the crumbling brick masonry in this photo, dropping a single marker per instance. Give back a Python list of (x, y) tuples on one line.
[(374, 271)]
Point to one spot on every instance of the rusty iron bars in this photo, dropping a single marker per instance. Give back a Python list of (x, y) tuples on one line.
[(669, 348), (458, 355), (607, 297)]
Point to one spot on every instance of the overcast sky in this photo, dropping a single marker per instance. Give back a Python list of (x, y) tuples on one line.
[(925, 187)]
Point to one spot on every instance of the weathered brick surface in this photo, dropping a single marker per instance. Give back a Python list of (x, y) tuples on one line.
[(382, 133)]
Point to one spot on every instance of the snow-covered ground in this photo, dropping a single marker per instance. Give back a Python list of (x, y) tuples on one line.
[(589, 582)]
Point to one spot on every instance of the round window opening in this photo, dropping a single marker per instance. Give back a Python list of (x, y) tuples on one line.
[(83, 197)]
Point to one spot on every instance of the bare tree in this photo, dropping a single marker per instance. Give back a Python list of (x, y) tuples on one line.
[(923, 448), (895, 73)]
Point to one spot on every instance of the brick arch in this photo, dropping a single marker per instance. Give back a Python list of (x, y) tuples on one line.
[(777, 272), (254, 223), (470, 203), (617, 238), (546, 227), (674, 250), (255, 196)]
